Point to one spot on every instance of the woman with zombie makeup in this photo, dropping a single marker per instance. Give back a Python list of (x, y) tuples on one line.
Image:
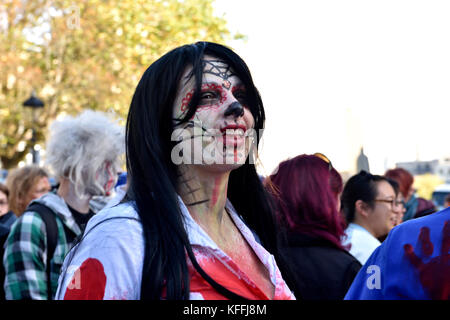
[(186, 229), (84, 153)]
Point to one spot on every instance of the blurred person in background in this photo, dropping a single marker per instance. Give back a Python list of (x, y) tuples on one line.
[(415, 206), (397, 217), (7, 217), (447, 201), (369, 205), (113, 197), (400, 203), (26, 184), (84, 154), (306, 190)]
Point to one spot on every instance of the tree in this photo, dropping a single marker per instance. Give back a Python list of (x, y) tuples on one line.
[(86, 54)]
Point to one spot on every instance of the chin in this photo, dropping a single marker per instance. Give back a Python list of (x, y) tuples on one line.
[(221, 168)]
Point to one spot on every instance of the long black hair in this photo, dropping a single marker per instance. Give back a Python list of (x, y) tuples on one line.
[(154, 177)]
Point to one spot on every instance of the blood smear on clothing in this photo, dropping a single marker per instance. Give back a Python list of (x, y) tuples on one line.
[(88, 282)]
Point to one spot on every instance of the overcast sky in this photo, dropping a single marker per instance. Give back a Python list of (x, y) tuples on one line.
[(336, 75)]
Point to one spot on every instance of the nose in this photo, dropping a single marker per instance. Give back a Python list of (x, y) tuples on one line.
[(396, 208), (234, 109)]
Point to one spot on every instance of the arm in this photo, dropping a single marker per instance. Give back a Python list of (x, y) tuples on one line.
[(24, 259)]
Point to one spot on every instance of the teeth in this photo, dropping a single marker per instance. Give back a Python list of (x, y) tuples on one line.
[(236, 132)]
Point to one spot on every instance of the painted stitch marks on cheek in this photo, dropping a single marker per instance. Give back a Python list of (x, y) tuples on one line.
[(434, 275), (88, 282)]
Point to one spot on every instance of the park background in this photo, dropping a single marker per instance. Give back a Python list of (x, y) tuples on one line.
[(335, 76)]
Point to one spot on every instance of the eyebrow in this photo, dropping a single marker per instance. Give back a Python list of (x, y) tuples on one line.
[(217, 84), (212, 82)]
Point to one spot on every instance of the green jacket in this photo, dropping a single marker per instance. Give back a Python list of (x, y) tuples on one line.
[(26, 251)]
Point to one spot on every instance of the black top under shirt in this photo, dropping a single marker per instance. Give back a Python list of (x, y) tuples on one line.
[(81, 218)]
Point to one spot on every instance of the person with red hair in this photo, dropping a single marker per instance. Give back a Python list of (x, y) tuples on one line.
[(415, 206), (306, 190)]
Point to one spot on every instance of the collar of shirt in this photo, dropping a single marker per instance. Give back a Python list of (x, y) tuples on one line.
[(355, 226), (197, 236)]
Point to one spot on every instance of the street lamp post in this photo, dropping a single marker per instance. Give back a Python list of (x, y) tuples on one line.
[(34, 103)]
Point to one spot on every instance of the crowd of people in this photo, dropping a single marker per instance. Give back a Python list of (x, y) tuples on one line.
[(190, 218)]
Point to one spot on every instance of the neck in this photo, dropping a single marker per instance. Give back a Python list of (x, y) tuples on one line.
[(366, 225), (66, 191), (205, 195)]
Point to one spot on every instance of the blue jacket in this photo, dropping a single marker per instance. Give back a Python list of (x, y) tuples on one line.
[(412, 263)]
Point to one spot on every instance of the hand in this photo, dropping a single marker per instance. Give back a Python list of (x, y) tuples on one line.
[(434, 275)]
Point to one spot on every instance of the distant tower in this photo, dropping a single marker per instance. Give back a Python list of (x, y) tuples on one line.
[(362, 163)]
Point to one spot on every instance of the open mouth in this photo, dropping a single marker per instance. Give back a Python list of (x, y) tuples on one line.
[(233, 135), (234, 129)]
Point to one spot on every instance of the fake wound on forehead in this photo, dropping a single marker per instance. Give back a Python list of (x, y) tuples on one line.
[(217, 68)]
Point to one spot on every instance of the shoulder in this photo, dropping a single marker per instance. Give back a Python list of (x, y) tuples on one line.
[(409, 250), (110, 254), (324, 256), (415, 233), (409, 230), (29, 224), (113, 226), (119, 214), (361, 238), (53, 201)]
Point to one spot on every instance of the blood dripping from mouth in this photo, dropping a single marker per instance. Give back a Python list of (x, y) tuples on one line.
[(434, 275)]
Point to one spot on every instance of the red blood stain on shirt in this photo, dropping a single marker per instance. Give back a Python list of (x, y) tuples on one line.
[(88, 282), (435, 274)]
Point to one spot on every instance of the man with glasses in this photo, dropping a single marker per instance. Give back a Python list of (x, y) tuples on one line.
[(370, 206)]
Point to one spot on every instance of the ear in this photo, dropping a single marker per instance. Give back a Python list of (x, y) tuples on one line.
[(362, 208)]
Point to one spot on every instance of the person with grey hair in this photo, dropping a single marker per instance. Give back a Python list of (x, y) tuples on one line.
[(84, 153)]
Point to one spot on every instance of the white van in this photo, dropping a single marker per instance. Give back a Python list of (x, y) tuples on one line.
[(439, 194)]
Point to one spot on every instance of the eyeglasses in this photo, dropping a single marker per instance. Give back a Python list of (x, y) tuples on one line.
[(324, 158), (393, 202)]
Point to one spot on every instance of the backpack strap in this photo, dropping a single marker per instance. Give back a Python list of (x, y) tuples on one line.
[(49, 218)]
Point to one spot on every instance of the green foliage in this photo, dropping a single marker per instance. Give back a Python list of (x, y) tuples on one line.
[(86, 54)]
